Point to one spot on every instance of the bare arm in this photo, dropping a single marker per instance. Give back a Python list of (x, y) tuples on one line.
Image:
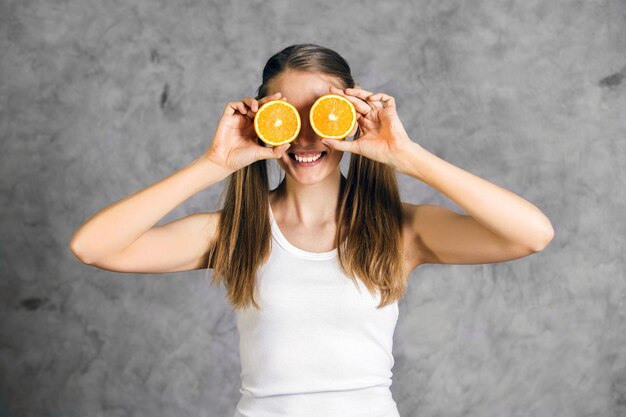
[(123, 237), (115, 228), (505, 216), (499, 226)]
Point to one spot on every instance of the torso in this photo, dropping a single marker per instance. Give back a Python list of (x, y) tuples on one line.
[(318, 346)]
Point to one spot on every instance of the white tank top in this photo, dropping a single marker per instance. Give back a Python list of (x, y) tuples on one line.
[(319, 347)]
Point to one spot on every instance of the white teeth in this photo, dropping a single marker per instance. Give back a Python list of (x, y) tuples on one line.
[(307, 159)]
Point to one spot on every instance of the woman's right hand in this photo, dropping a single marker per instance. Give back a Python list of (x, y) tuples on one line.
[(235, 144)]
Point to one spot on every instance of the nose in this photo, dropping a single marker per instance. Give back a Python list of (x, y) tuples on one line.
[(307, 136), (306, 139)]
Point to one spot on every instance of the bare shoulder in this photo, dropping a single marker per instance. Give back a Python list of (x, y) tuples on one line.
[(408, 210), (410, 214), (414, 212)]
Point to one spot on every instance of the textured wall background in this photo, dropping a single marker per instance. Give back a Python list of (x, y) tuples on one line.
[(100, 99)]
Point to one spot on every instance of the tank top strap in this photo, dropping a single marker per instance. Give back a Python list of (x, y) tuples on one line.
[(293, 250)]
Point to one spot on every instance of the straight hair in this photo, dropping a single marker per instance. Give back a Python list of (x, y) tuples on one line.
[(369, 218)]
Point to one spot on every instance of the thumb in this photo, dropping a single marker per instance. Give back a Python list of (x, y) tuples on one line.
[(339, 145), (275, 152)]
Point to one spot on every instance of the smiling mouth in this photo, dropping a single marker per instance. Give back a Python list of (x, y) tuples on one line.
[(293, 157)]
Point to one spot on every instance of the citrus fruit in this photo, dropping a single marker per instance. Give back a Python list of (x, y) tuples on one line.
[(332, 116), (277, 122)]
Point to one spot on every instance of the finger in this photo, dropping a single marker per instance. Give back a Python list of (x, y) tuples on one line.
[(385, 98), (361, 106), (358, 92), (252, 103), (232, 107), (372, 99), (274, 152), (366, 124), (265, 100), (341, 145), (268, 98), (242, 108)]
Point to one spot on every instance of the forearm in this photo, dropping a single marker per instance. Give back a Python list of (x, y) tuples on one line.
[(502, 211), (117, 226)]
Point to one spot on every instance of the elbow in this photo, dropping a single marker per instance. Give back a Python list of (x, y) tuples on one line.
[(78, 252), (545, 239), (75, 251)]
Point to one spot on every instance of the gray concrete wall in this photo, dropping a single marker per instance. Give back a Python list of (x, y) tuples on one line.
[(530, 95)]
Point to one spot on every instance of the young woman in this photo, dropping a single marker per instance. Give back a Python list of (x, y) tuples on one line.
[(315, 267)]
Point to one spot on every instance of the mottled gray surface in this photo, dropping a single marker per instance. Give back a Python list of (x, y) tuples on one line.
[(99, 99)]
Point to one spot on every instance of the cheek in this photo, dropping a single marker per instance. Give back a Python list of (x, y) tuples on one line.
[(336, 155)]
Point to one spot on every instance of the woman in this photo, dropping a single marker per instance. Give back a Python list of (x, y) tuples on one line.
[(315, 267)]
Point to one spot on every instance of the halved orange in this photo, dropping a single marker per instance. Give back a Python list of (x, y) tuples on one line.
[(277, 122), (332, 116)]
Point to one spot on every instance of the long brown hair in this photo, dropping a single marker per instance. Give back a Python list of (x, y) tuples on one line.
[(369, 215)]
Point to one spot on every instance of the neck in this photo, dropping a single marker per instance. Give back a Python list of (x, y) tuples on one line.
[(311, 204)]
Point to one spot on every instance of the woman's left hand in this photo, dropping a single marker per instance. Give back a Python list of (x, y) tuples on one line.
[(383, 137)]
